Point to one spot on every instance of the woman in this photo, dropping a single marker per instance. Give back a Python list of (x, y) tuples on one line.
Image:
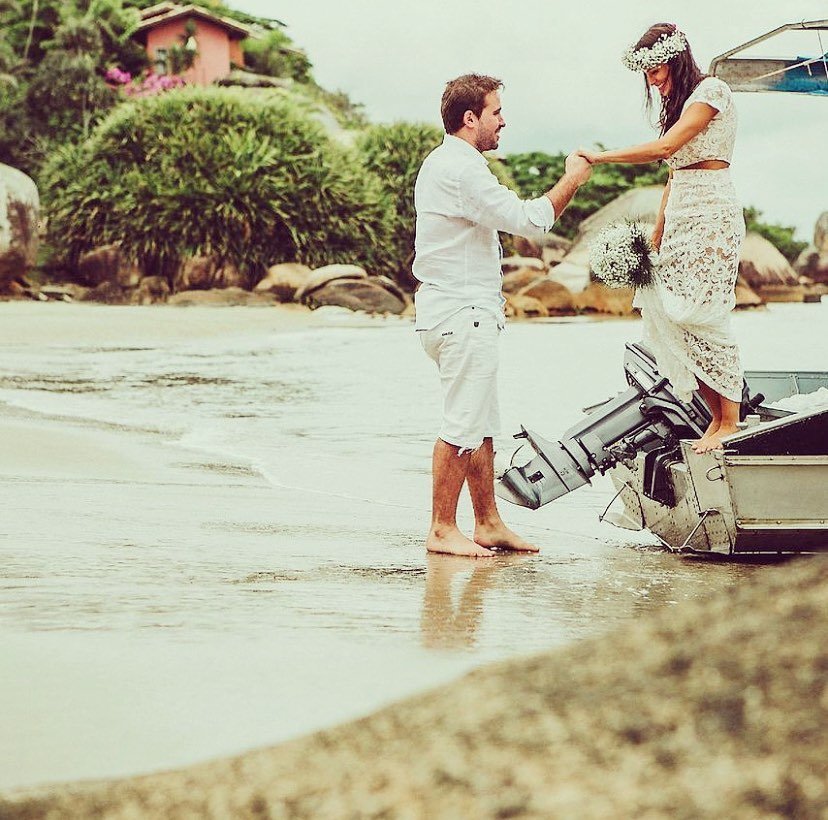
[(698, 232)]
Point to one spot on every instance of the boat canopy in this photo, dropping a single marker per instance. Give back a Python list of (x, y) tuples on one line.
[(797, 75)]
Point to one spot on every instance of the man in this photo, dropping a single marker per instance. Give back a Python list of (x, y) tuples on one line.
[(460, 208)]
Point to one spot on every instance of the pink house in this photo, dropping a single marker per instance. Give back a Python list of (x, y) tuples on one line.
[(215, 40)]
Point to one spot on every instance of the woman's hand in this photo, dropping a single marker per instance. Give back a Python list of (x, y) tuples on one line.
[(655, 239), (590, 156)]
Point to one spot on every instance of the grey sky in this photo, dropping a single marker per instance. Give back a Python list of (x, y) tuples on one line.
[(565, 85)]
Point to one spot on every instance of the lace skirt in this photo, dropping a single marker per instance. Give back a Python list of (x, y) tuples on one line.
[(686, 310)]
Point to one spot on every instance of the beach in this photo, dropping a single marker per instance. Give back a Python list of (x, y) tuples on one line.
[(212, 538)]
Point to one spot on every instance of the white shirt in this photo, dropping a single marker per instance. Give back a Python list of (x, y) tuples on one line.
[(460, 208)]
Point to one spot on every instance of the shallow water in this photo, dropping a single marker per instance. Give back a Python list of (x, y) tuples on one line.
[(268, 578)]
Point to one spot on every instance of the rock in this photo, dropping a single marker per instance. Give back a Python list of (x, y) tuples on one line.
[(284, 280), (207, 273), (780, 293), (746, 297), (391, 286), (220, 297), (520, 306), (107, 264), (813, 265), (355, 294), (554, 296), (598, 298), (552, 256), (19, 221), (329, 273), (821, 233), (151, 290), (512, 263), (68, 292), (762, 264), (526, 247), (641, 204), (516, 280), (108, 293)]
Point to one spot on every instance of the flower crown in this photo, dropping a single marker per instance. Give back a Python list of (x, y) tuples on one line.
[(662, 50)]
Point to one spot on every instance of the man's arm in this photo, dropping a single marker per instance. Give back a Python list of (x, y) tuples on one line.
[(576, 172), (493, 205)]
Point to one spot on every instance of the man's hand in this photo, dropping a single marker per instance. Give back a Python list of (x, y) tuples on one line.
[(578, 167)]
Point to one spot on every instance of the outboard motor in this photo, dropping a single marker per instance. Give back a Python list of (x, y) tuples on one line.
[(647, 417)]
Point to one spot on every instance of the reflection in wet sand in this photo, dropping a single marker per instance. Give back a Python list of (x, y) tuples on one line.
[(446, 624)]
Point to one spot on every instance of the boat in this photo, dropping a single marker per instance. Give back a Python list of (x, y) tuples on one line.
[(767, 490)]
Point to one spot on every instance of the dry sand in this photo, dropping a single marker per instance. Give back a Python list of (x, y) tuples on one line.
[(716, 708)]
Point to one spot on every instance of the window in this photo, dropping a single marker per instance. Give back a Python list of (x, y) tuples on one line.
[(160, 63)]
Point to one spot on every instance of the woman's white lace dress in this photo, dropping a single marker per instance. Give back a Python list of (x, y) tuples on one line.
[(686, 310)]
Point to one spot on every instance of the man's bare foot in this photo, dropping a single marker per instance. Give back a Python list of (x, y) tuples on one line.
[(450, 541), (501, 537), (714, 442)]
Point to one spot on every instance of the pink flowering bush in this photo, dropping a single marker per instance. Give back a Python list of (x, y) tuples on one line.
[(147, 86)]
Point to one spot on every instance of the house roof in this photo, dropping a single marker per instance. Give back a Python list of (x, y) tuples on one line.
[(166, 12)]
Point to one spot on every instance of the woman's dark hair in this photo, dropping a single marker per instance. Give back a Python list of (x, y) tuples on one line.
[(685, 75)]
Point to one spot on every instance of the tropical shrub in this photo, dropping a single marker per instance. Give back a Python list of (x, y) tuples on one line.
[(394, 153), (247, 179)]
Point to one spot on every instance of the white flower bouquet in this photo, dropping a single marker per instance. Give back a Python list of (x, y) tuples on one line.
[(621, 255)]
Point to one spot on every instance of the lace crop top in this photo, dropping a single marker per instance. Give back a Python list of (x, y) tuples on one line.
[(716, 140)]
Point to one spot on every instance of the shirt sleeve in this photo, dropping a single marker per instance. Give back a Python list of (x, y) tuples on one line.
[(488, 203), (714, 92)]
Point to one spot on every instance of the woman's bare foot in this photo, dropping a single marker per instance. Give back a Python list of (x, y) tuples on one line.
[(450, 541), (711, 431), (499, 536), (714, 442)]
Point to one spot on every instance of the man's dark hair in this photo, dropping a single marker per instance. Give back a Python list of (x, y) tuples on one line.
[(466, 93)]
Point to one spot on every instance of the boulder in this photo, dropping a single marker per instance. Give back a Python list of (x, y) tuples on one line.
[(780, 293), (812, 265), (151, 290), (19, 222), (356, 294), (511, 263), (746, 297), (520, 306), (821, 234), (107, 264), (516, 280), (67, 292), (554, 296), (598, 298), (220, 297), (526, 247), (641, 204), (329, 273), (761, 264), (108, 293), (207, 273), (552, 256), (391, 286), (284, 280)]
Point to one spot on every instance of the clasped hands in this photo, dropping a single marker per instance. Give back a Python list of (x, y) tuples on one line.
[(579, 164)]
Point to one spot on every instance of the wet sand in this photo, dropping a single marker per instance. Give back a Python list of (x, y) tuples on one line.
[(192, 568), (716, 708)]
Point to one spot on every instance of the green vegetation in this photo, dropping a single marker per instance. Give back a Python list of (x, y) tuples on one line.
[(778, 235), (536, 172), (394, 153), (249, 179), (248, 176)]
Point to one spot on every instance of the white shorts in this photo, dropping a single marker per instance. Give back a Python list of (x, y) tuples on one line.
[(465, 348)]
